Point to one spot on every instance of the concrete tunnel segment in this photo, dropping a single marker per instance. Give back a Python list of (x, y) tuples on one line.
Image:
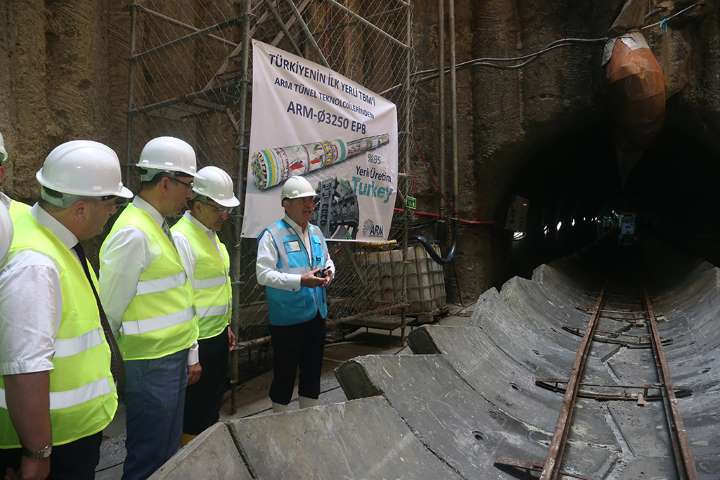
[(464, 396)]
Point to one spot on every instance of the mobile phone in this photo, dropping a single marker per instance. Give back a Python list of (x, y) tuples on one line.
[(322, 273)]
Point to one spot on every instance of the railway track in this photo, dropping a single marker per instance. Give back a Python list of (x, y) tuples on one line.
[(629, 322)]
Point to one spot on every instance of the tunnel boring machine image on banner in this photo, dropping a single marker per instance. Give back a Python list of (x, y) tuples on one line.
[(272, 166)]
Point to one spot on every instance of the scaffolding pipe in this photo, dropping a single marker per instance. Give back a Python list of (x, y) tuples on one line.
[(441, 88), (186, 26), (242, 152), (184, 38), (406, 155), (283, 27), (131, 89), (453, 104), (276, 40), (330, 324), (368, 24), (308, 33)]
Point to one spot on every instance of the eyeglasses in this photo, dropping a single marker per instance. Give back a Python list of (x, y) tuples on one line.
[(218, 208), (119, 201), (189, 185)]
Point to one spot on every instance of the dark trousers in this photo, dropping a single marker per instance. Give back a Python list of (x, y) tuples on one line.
[(297, 347), (73, 461), (154, 401), (203, 399)]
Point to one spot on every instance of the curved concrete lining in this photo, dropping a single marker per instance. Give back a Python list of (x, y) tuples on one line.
[(455, 421), (466, 395), (506, 383), (357, 439), (212, 455)]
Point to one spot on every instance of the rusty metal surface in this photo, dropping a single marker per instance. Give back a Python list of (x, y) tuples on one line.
[(648, 392), (684, 460), (553, 461)]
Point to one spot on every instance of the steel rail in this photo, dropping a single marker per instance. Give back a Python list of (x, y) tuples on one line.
[(553, 461), (684, 461)]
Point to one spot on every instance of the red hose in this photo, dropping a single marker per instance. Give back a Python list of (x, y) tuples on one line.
[(462, 221)]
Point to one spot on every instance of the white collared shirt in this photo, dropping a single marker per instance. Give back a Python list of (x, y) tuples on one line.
[(31, 304), (183, 245), (267, 257), (125, 256), (5, 200)]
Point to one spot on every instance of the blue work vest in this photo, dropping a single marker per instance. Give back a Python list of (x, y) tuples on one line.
[(286, 307)]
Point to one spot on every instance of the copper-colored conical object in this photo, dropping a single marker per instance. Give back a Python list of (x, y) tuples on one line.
[(637, 91)]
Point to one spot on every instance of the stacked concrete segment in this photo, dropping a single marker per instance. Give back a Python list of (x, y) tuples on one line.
[(212, 455), (463, 397)]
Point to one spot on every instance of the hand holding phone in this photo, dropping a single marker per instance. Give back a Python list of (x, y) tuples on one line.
[(322, 273)]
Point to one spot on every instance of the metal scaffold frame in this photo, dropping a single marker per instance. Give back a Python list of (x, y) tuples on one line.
[(190, 76)]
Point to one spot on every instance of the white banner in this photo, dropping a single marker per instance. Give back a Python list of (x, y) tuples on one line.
[(309, 120)]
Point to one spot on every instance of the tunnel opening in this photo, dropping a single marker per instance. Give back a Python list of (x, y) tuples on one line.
[(575, 195)]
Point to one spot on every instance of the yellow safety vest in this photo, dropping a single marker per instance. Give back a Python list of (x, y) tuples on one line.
[(160, 319), (18, 208), (82, 392), (211, 279)]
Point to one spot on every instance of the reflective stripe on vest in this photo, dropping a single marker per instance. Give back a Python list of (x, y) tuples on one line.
[(289, 308), (159, 320), (151, 324), (161, 284), (82, 391), (211, 283), (74, 397), (213, 311), (67, 347)]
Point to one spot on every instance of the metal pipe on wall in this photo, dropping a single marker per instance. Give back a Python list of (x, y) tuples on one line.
[(453, 104), (131, 90), (441, 55), (242, 150), (406, 157)]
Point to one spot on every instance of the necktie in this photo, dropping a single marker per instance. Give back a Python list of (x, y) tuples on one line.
[(166, 230), (116, 365)]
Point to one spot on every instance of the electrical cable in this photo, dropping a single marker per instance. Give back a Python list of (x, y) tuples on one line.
[(495, 62), (450, 256)]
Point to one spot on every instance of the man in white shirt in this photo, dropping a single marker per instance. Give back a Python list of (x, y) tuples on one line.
[(148, 300), (295, 267), (207, 264), (57, 391)]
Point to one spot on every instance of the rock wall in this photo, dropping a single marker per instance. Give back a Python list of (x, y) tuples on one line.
[(65, 76)]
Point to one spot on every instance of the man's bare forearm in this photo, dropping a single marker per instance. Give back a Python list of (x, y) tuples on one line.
[(28, 402)]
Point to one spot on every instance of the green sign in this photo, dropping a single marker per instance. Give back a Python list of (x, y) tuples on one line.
[(411, 203)]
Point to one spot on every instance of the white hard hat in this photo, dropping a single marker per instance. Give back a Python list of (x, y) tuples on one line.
[(3, 152), (83, 168), (297, 187), (6, 232), (214, 183), (168, 154)]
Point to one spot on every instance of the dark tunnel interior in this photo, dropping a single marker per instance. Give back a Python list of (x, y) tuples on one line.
[(572, 183)]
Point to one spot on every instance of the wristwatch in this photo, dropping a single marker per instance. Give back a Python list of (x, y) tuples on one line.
[(39, 454)]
